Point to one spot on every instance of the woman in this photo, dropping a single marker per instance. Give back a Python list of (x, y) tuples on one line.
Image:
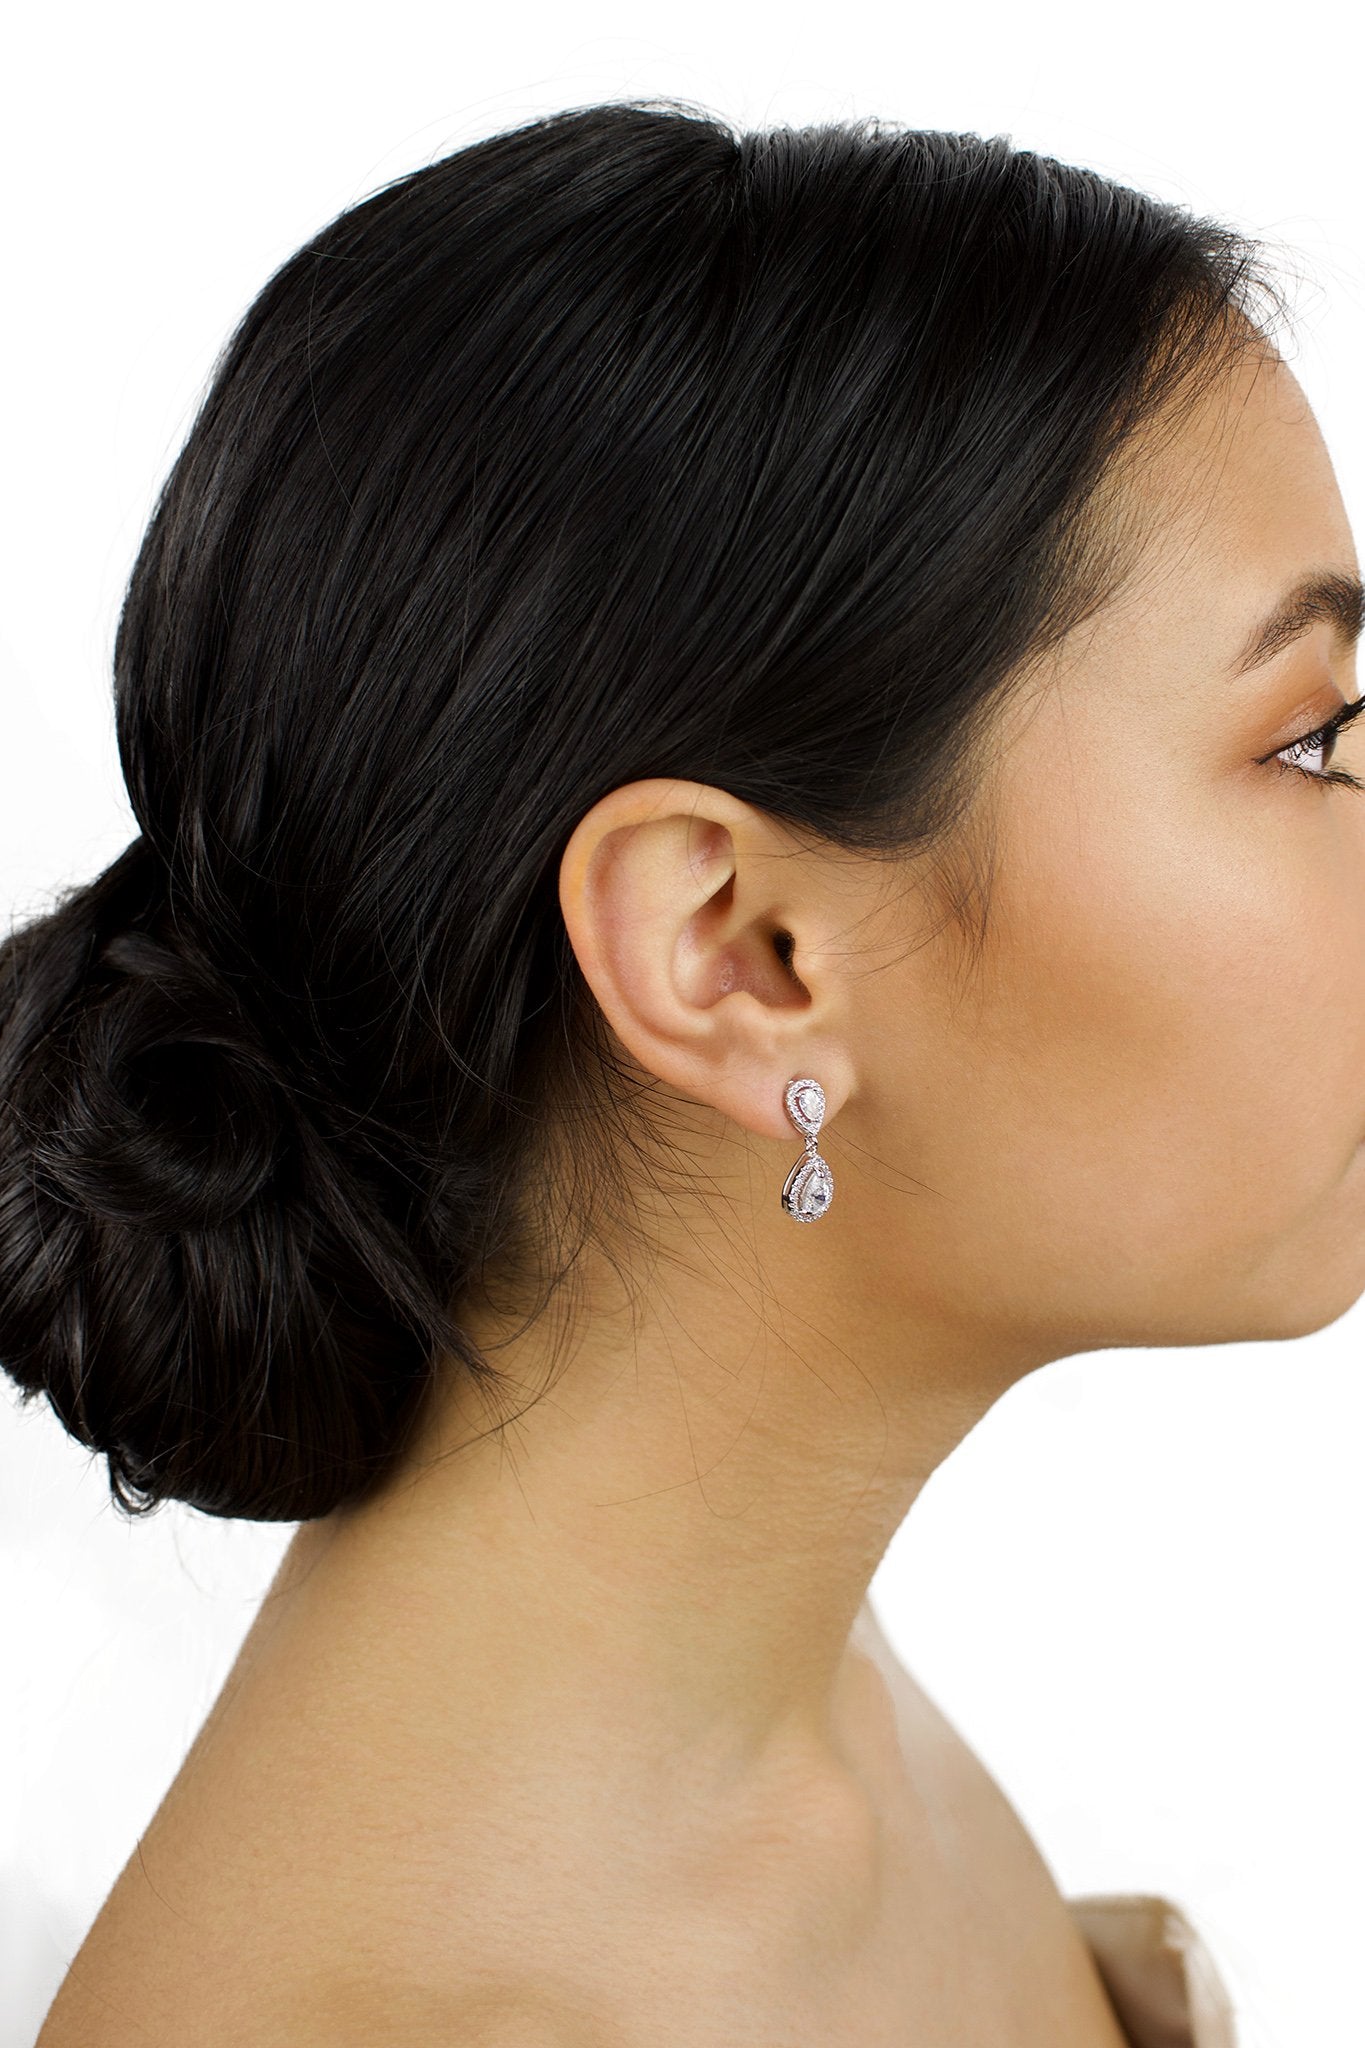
[(670, 657)]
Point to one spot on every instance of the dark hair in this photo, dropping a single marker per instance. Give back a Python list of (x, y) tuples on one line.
[(621, 444)]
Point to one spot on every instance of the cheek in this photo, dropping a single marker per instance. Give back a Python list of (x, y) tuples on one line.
[(1168, 1040)]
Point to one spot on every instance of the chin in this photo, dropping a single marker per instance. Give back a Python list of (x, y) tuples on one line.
[(1301, 1311), (1306, 1325), (1274, 1304)]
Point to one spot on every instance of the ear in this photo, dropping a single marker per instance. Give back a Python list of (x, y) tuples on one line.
[(709, 939)]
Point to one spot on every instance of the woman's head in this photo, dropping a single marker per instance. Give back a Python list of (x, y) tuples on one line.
[(1128, 1107), (805, 494)]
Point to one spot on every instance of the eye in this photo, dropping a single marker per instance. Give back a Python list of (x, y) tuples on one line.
[(1321, 740)]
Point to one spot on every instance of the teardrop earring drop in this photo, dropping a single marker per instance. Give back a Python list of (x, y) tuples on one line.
[(809, 1188)]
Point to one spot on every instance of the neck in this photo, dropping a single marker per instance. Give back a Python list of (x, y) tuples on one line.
[(669, 1548)]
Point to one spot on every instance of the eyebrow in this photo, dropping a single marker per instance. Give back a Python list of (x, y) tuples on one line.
[(1330, 597)]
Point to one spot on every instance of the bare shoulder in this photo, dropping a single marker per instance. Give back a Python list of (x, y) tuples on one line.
[(522, 2021), (493, 2014), (325, 2008)]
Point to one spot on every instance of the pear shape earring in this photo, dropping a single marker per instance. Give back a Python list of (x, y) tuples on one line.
[(809, 1188)]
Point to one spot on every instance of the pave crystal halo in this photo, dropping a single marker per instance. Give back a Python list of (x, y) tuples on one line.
[(809, 1188)]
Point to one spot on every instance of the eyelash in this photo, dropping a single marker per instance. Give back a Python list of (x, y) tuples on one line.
[(1311, 740)]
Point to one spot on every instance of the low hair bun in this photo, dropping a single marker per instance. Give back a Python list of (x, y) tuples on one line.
[(178, 1119), (207, 1274)]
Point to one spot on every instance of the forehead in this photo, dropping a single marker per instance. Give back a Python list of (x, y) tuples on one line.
[(1223, 507), (1234, 505), (1249, 465)]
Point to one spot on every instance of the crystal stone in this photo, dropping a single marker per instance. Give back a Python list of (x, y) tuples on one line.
[(806, 1106), (809, 1189)]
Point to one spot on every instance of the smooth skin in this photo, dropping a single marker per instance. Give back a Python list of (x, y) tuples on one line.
[(583, 1732)]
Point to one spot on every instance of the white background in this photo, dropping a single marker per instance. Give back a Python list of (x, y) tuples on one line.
[(1136, 1587)]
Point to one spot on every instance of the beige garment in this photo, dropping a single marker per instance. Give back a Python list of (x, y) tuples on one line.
[(1161, 1979)]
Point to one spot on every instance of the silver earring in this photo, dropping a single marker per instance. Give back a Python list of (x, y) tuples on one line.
[(809, 1188)]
